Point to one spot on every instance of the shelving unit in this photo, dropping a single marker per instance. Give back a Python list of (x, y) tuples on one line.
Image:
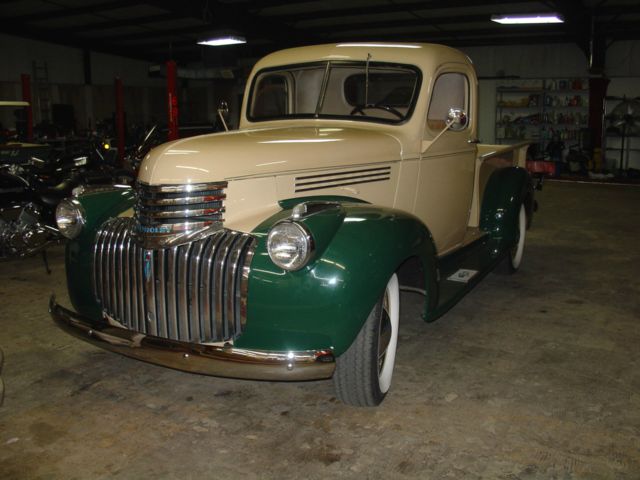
[(541, 110)]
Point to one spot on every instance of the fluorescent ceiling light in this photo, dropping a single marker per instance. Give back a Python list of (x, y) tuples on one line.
[(219, 41), (524, 19)]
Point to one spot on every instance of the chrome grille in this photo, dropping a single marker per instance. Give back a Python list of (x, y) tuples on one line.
[(195, 292), (170, 215)]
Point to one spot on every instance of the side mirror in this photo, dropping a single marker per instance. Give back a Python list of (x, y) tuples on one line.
[(223, 113), (223, 109), (457, 119)]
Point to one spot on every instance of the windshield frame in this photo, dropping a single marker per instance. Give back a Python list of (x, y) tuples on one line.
[(327, 65)]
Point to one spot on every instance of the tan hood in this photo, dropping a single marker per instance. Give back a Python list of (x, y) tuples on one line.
[(264, 152)]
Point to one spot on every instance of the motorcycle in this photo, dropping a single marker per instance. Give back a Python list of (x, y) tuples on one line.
[(27, 213), (31, 190)]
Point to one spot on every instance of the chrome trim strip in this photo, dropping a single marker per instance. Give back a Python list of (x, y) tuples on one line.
[(184, 200), (183, 188), (223, 361), (120, 277), (207, 287), (183, 295), (172, 309), (127, 281), (135, 286), (233, 323), (222, 330), (140, 323), (195, 292), (179, 214), (244, 282), (149, 275), (161, 296)]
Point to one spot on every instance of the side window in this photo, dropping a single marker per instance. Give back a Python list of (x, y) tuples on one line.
[(271, 96), (451, 90)]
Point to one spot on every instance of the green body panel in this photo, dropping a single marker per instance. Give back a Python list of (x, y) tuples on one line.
[(506, 190), (325, 304), (99, 207)]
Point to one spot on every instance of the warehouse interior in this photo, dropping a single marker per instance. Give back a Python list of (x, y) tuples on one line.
[(531, 376)]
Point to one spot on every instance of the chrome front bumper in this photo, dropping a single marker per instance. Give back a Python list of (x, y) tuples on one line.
[(220, 361)]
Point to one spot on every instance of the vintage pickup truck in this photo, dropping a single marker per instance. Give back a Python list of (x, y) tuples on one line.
[(278, 251)]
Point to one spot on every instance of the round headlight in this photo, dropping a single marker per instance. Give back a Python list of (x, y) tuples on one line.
[(290, 245), (70, 217)]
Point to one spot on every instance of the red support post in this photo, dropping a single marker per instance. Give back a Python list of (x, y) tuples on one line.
[(119, 119), (26, 96), (172, 99)]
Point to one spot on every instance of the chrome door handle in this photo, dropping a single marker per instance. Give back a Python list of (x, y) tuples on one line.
[(475, 140)]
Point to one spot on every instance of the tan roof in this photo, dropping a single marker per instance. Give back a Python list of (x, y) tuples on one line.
[(423, 55)]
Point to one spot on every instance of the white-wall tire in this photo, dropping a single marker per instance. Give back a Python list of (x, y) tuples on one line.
[(364, 372), (513, 258), (518, 250)]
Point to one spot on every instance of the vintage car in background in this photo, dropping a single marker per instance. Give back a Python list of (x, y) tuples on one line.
[(277, 251)]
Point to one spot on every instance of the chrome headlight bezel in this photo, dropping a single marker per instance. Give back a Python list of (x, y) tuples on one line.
[(70, 217), (300, 244)]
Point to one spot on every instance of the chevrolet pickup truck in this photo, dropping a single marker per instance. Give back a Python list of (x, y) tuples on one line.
[(278, 251)]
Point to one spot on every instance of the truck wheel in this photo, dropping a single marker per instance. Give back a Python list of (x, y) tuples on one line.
[(363, 373), (513, 259)]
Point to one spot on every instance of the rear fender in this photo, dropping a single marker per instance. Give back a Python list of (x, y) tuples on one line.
[(506, 190), (325, 303)]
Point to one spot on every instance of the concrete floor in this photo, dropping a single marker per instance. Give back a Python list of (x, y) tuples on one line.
[(533, 376)]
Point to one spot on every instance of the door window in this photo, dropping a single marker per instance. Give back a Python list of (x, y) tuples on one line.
[(451, 90)]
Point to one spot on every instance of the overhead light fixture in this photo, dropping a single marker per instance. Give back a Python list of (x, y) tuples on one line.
[(225, 40), (526, 19)]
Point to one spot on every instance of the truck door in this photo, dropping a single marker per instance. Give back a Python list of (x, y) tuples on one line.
[(447, 164)]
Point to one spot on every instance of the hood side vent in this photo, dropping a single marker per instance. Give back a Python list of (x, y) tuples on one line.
[(322, 181)]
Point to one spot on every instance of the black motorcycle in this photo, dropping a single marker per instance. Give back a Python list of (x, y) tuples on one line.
[(27, 212)]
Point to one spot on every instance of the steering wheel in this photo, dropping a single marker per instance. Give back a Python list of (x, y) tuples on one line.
[(360, 109)]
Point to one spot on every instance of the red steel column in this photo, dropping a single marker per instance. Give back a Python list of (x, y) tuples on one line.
[(26, 96), (119, 119), (172, 100)]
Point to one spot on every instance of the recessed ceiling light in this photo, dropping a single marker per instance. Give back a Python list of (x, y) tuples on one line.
[(525, 19), (226, 40)]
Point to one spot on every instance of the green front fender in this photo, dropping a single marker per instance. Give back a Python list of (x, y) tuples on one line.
[(99, 206), (506, 190), (326, 303)]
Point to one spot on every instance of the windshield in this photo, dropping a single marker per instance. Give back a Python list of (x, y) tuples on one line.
[(371, 91)]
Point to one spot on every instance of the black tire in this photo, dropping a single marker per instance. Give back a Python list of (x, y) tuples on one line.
[(363, 373), (513, 258)]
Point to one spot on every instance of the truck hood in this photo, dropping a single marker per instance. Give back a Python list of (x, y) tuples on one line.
[(265, 152)]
